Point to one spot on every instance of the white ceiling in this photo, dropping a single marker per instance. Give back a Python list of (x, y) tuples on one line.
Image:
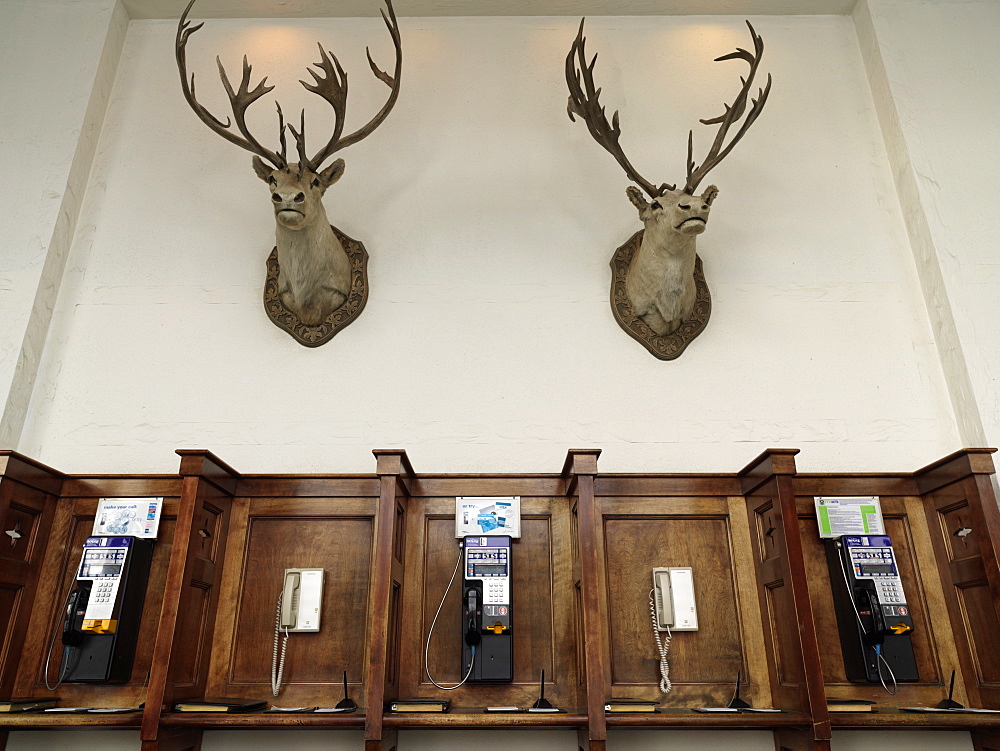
[(414, 8)]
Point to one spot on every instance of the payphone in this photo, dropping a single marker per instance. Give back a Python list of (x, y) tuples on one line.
[(486, 609), (873, 617), (104, 610)]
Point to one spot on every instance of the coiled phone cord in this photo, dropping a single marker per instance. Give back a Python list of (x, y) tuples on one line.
[(662, 646), (278, 667), (427, 644)]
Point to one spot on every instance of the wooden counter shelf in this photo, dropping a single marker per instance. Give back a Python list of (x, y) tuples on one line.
[(886, 719), (476, 718), (269, 720), (685, 718), (581, 580), (69, 721)]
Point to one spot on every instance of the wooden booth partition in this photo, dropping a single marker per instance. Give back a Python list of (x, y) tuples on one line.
[(277, 522), (964, 524), (395, 474), (72, 507), (187, 618), (29, 492), (542, 592), (932, 638), (579, 473), (792, 648)]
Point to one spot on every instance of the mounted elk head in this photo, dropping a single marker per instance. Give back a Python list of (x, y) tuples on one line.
[(657, 274), (317, 276)]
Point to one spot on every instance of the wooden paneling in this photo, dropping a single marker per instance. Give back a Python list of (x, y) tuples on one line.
[(964, 520), (542, 626), (28, 493), (931, 639), (581, 583), (73, 523), (703, 663), (267, 536)]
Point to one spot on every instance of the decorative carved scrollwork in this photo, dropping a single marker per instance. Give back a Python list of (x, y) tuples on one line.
[(672, 345), (314, 336)]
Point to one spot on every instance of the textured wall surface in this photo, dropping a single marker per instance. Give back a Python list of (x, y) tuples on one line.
[(53, 115), (490, 218)]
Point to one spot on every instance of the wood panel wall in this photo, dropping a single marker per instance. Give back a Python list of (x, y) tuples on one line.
[(582, 576)]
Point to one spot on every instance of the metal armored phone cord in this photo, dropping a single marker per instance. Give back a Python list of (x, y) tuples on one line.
[(880, 659), (427, 644), (662, 646), (64, 668), (278, 667)]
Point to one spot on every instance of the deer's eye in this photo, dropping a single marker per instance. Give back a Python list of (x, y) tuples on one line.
[(655, 205), (315, 182)]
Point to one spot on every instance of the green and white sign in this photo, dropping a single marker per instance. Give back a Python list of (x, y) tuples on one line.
[(849, 515)]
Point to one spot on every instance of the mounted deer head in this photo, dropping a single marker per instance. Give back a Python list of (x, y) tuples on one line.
[(316, 275), (659, 284)]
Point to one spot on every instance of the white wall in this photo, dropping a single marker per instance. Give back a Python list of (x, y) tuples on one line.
[(490, 218), (938, 104), (58, 62)]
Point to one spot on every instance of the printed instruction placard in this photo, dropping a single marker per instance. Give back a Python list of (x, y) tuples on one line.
[(139, 517), (849, 515), (488, 515)]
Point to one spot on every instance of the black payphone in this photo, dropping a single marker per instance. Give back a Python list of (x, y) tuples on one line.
[(486, 609), (872, 614), (103, 612)]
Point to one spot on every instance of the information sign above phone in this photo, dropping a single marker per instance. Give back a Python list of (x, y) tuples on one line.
[(488, 515), (849, 515), (138, 517)]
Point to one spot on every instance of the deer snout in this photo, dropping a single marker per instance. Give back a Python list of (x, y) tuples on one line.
[(280, 199)]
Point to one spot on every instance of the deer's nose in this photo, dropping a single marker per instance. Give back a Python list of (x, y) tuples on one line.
[(684, 206), (276, 198), (299, 197)]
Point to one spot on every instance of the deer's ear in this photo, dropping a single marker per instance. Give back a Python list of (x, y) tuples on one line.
[(263, 171), (709, 195), (637, 199), (331, 174)]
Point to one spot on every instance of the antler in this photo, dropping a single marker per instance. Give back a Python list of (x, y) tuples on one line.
[(239, 100), (733, 112), (333, 88), (584, 100)]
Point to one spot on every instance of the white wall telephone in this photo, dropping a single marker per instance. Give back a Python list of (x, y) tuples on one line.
[(673, 589), (301, 599), (671, 608), (299, 608)]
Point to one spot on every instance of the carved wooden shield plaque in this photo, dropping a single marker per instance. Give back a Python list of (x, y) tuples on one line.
[(673, 344), (314, 336)]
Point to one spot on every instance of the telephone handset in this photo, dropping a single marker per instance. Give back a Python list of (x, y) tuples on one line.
[(299, 608), (290, 600), (76, 609)]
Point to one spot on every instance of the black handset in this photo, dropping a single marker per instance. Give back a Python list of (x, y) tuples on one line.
[(76, 609)]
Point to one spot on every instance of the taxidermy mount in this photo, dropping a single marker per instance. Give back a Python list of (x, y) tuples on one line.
[(658, 291), (316, 276)]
